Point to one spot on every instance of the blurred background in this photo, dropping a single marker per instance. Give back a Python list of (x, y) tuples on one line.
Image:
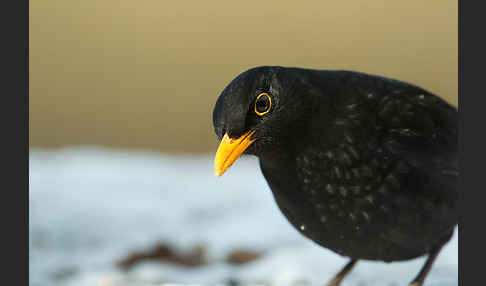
[(121, 98), (146, 74)]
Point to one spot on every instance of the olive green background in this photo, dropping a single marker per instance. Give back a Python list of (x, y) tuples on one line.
[(146, 74)]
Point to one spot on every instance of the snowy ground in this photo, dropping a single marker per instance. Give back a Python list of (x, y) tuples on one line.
[(90, 207)]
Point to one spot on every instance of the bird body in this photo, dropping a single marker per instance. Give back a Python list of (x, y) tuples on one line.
[(363, 165)]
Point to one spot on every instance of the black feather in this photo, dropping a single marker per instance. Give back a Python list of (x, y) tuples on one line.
[(363, 165)]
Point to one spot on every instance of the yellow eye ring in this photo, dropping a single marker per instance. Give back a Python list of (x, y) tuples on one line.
[(263, 104)]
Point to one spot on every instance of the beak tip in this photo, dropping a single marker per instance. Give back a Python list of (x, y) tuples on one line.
[(218, 173)]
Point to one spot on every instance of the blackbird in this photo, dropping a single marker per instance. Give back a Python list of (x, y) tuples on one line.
[(363, 165)]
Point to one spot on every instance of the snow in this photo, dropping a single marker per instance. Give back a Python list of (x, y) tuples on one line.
[(90, 207)]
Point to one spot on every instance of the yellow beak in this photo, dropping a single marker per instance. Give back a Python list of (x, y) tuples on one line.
[(229, 150)]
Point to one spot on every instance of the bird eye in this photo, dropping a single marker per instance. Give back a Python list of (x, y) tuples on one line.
[(263, 103)]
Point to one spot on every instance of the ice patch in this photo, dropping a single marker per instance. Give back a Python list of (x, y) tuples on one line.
[(89, 207)]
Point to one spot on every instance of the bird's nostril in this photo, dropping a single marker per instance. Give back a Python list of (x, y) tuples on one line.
[(221, 132)]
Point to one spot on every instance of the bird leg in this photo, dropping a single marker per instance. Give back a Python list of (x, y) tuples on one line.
[(340, 276), (420, 278)]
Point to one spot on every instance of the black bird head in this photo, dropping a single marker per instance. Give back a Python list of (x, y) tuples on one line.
[(259, 109)]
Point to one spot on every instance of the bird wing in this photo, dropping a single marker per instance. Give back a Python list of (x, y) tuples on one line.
[(420, 129)]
